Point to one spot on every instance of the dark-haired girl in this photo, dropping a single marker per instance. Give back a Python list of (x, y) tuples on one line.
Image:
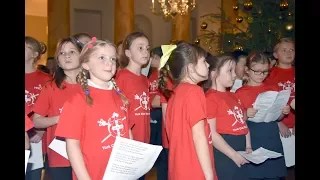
[(190, 155), (34, 81), (52, 98), (226, 117)]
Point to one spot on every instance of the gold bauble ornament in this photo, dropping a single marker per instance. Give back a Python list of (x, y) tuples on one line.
[(248, 5), (197, 41), (284, 5), (250, 19), (204, 25), (239, 19), (238, 47), (235, 7), (289, 27)]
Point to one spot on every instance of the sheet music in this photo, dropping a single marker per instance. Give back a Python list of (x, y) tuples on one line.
[(289, 149), (236, 85), (269, 105), (260, 155), (59, 147), (26, 159), (36, 159), (129, 159)]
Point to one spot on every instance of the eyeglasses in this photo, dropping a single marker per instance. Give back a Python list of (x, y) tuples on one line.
[(260, 72)]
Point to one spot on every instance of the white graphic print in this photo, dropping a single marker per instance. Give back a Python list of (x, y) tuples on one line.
[(30, 98), (144, 101), (288, 86), (60, 110), (237, 114), (115, 126), (153, 86)]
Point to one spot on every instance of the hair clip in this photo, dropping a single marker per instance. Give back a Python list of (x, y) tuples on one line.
[(93, 39), (87, 92)]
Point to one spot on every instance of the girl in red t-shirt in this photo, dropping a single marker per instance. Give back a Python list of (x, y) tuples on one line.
[(136, 53), (186, 123), (88, 118), (34, 82), (262, 134), (51, 99), (227, 120)]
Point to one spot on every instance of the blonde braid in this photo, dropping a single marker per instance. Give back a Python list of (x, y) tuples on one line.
[(116, 88), (82, 79)]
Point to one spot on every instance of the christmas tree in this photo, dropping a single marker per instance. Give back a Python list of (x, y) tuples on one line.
[(260, 24)]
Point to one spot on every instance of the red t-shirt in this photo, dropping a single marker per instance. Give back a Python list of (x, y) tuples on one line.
[(248, 94), (284, 79), (28, 123), (153, 84), (136, 89), (95, 126), (228, 111), (33, 85), (186, 107), (50, 103), (163, 100)]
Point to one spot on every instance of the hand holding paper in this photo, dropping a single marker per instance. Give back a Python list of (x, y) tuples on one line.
[(260, 155)]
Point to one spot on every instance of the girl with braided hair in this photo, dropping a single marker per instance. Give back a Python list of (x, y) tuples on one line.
[(51, 99), (93, 117)]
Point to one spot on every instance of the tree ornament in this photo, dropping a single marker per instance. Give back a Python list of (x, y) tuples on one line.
[(239, 19), (235, 7), (280, 17), (197, 41), (250, 19), (269, 30), (289, 27), (284, 5), (289, 13), (204, 25), (248, 5)]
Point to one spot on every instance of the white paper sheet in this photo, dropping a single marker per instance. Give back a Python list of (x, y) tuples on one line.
[(289, 149), (26, 159), (145, 70), (59, 147), (260, 155), (129, 159), (236, 85), (36, 159), (269, 105)]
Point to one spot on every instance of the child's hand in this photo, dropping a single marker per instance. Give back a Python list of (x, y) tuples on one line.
[(286, 110), (239, 160), (248, 150), (251, 112), (284, 130)]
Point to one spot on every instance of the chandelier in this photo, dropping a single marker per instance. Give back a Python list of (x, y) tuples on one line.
[(171, 8)]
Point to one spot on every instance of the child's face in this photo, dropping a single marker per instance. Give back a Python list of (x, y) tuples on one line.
[(155, 61), (102, 64), (285, 53), (69, 57), (139, 51), (227, 74), (258, 72), (240, 66)]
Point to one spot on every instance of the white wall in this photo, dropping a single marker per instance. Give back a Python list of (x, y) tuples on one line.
[(99, 14)]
